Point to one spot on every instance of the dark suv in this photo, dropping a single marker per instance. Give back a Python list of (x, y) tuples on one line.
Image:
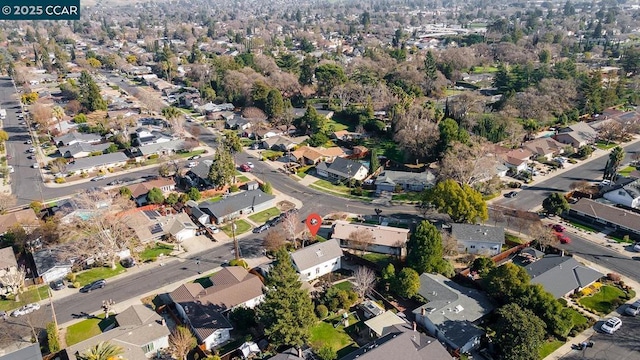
[(57, 284), (98, 284)]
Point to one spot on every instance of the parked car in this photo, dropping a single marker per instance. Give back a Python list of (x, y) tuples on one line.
[(57, 284), (28, 142), (633, 309), (27, 309), (128, 262), (612, 325), (564, 239), (195, 157), (636, 247), (261, 228), (250, 164), (35, 166), (214, 229), (606, 183), (114, 182), (245, 168), (511, 194), (98, 284), (98, 178), (192, 164), (557, 227)]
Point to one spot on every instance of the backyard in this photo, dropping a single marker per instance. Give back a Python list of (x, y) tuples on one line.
[(88, 328), (241, 228), (337, 338), (603, 301), (102, 272), (265, 215)]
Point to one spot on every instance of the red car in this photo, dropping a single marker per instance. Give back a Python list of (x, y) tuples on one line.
[(564, 239), (557, 227), (245, 168)]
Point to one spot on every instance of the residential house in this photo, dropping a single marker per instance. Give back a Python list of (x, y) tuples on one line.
[(140, 332), (161, 148), (478, 239), (52, 263), (577, 135), (198, 176), (561, 275), (308, 155), (343, 169), (96, 163), (289, 354), (237, 122), (318, 259), (8, 265), (389, 180), (282, 143), (384, 239), (603, 215), (452, 312), (79, 150), (76, 137), (203, 308), (181, 227), (143, 137), (139, 191), (517, 159), (546, 147), (345, 135), (626, 193), (299, 112), (401, 342), (29, 352), (233, 206), (212, 108), (26, 218), (199, 216)]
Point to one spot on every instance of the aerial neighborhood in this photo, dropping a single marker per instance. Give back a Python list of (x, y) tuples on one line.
[(329, 180)]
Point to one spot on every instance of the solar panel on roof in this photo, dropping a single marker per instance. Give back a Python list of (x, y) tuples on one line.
[(155, 229)]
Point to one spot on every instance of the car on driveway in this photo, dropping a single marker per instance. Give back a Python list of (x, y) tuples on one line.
[(192, 164), (98, 284), (128, 262), (57, 284), (511, 194), (195, 157), (214, 229), (636, 247), (261, 228), (28, 142), (633, 309), (611, 325)]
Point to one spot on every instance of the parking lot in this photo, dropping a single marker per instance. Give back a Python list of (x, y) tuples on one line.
[(624, 344)]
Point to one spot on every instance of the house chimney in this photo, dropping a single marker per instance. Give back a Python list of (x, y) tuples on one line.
[(415, 326), (300, 352), (422, 311)]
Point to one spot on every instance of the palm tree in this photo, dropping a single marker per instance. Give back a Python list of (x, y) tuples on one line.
[(173, 114), (58, 112), (615, 159), (102, 351)]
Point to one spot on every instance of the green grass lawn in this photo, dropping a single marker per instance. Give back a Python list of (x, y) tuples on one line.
[(191, 153), (329, 186), (324, 334), (345, 285), (604, 146), (102, 272), (341, 190), (484, 69), (242, 179), (267, 154), (577, 318), (205, 280), (336, 123), (601, 302), (241, 228), (386, 147), (31, 295), (151, 254), (214, 199), (265, 215), (407, 196), (585, 227), (87, 329), (513, 238), (548, 347), (627, 170), (382, 260)]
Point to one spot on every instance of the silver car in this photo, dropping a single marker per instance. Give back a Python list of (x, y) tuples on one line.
[(633, 309), (611, 325)]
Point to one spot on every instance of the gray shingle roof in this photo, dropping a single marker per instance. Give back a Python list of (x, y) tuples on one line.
[(47, 259), (31, 352), (402, 177), (612, 214), (101, 160), (235, 203), (77, 148), (173, 145), (76, 136), (345, 167), (480, 233), (202, 169), (401, 343), (561, 274), (316, 254)]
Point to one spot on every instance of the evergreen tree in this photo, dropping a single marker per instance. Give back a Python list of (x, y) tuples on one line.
[(287, 311), (519, 333), (555, 204), (89, 95), (461, 202), (274, 105), (222, 169), (374, 161), (431, 72), (307, 70), (424, 249)]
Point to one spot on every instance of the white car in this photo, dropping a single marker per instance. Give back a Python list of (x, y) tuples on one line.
[(633, 309), (193, 164), (214, 229), (35, 166), (611, 325), (250, 164), (636, 247)]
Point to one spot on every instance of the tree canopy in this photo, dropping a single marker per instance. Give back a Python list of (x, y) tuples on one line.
[(287, 311), (505, 282), (519, 333), (222, 168), (555, 204), (424, 249), (462, 203)]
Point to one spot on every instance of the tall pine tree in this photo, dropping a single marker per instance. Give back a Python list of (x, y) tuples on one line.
[(425, 250), (431, 72), (287, 311)]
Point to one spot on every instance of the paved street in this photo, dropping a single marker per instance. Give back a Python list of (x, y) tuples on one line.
[(531, 197)]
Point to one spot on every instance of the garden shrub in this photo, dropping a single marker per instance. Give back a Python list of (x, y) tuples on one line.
[(71, 277), (240, 262), (60, 180), (322, 311)]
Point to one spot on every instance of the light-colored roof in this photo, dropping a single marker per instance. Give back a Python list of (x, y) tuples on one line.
[(379, 323), (561, 274), (316, 254), (479, 233), (403, 177), (182, 221), (100, 160), (381, 235), (25, 218), (173, 145), (7, 258), (543, 146)]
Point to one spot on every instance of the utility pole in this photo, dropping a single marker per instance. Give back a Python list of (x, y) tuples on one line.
[(53, 311), (235, 240)]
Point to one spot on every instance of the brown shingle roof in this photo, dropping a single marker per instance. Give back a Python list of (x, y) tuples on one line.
[(26, 217), (7, 258), (143, 188), (614, 215)]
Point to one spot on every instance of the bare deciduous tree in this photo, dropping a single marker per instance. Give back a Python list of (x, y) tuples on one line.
[(469, 163), (6, 201), (195, 131), (449, 244), (364, 279), (181, 341), (416, 131), (292, 226), (360, 239), (543, 235), (273, 240), (12, 281)]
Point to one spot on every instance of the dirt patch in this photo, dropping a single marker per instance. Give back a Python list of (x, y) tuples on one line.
[(285, 205)]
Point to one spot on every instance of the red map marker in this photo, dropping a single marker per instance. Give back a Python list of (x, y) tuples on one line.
[(314, 221)]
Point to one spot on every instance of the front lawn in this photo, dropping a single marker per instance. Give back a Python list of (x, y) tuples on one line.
[(88, 328), (626, 171), (241, 228), (345, 285), (33, 294), (336, 123), (484, 69), (602, 302), (385, 147), (271, 154), (548, 347), (191, 153), (329, 186), (325, 334), (407, 196), (152, 253), (102, 272), (265, 215), (604, 146), (242, 179)]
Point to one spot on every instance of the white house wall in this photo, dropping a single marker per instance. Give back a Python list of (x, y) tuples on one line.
[(317, 271), (620, 197), (478, 247), (217, 338)]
